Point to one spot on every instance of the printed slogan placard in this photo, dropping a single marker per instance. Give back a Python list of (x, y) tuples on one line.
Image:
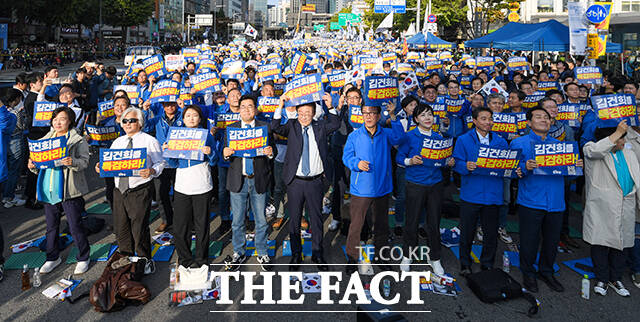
[(185, 143), (47, 153), (248, 142), (497, 162), (379, 90), (42, 112), (611, 109), (436, 151), (304, 89), (122, 162), (557, 159), (103, 135)]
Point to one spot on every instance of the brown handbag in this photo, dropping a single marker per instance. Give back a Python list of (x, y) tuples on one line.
[(116, 288)]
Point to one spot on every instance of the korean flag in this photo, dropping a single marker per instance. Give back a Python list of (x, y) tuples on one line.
[(250, 31), (493, 87)]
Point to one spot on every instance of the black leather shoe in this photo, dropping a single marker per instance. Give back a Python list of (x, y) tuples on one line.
[(294, 263), (350, 268), (530, 284), (552, 282), (319, 260), (465, 271)]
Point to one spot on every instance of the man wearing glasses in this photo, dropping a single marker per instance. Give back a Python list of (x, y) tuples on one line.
[(367, 154)]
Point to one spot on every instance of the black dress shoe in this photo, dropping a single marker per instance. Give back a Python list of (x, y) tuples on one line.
[(552, 282), (294, 263), (465, 271), (319, 260), (350, 268), (397, 231), (422, 233), (530, 284), (33, 205)]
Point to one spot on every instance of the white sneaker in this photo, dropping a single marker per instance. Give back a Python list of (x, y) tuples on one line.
[(405, 264), (8, 204), (6, 199), (333, 225), (437, 267), (504, 236), (149, 267), (270, 210), (600, 288), (265, 263), (17, 202), (479, 235), (49, 266), (619, 288), (81, 267)]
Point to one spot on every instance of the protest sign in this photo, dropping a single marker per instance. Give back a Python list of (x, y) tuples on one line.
[(304, 89), (232, 70), (517, 63), (48, 153), (102, 135), (613, 108), (173, 62), (504, 123), (206, 83), (356, 119), (268, 72), (569, 114), (106, 109), (248, 142), (435, 152), (588, 75), (557, 159), (185, 143), (267, 106), (42, 112), (497, 162), (379, 90), (132, 92), (164, 91), (154, 66), (122, 162)]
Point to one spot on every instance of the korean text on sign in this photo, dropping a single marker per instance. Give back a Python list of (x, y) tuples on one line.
[(122, 162), (248, 142)]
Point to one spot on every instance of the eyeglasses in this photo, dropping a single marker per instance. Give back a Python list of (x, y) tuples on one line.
[(369, 113), (127, 121)]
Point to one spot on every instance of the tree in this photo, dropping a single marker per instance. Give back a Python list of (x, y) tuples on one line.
[(125, 13), (485, 13)]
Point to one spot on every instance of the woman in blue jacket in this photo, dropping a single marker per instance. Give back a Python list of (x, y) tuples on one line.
[(424, 187), (192, 191)]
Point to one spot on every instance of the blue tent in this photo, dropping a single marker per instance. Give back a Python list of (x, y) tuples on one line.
[(545, 36), (420, 41)]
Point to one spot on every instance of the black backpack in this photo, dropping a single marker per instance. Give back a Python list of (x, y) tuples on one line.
[(495, 285)]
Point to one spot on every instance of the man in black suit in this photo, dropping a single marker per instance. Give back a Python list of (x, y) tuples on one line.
[(247, 182), (304, 172)]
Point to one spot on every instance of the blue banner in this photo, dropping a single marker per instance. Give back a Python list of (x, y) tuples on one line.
[(164, 91), (47, 153), (337, 80), (497, 162), (613, 108), (298, 63), (269, 72), (206, 83), (531, 101), (186, 96), (379, 90), (267, 106), (455, 106), (106, 109), (485, 63), (435, 152), (232, 70), (557, 159), (547, 86), (588, 75), (248, 142), (517, 63), (132, 92), (42, 112), (185, 143), (304, 89), (356, 119), (569, 113), (103, 135), (154, 66), (504, 123), (122, 162), (224, 119)]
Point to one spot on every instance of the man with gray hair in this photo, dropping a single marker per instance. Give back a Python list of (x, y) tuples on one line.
[(132, 198)]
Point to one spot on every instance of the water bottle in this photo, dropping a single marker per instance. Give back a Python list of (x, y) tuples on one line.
[(36, 277), (505, 262), (172, 276), (585, 287), (26, 284)]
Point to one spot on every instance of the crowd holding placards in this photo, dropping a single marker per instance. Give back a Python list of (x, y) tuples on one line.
[(297, 129)]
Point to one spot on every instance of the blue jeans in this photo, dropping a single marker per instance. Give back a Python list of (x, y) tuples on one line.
[(401, 195), (239, 210), (223, 193), (15, 163)]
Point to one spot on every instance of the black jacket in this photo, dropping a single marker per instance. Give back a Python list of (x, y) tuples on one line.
[(261, 166)]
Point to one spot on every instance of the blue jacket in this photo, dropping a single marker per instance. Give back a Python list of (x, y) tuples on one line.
[(162, 125), (361, 146), (421, 173), (211, 158), (474, 188), (8, 122), (457, 122), (589, 125), (538, 191)]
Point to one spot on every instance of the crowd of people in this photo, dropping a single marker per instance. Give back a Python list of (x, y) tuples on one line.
[(317, 156)]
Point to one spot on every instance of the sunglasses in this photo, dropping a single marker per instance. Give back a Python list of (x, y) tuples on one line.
[(127, 121)]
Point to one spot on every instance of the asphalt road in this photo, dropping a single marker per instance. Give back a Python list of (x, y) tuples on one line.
[(64, 70)]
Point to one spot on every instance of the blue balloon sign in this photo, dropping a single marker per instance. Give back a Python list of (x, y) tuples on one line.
[(596, 13)]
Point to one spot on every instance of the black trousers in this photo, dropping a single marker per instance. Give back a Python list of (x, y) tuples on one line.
[(608, 263), (339, 175), (131, 212), (192, 213), (299, 192), (30, 188), (421, 197), (110, 185), (1, 246), (167, 179), (469, 213), (533, 222)]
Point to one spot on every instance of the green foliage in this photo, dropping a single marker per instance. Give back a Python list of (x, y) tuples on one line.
[(124, 13)]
